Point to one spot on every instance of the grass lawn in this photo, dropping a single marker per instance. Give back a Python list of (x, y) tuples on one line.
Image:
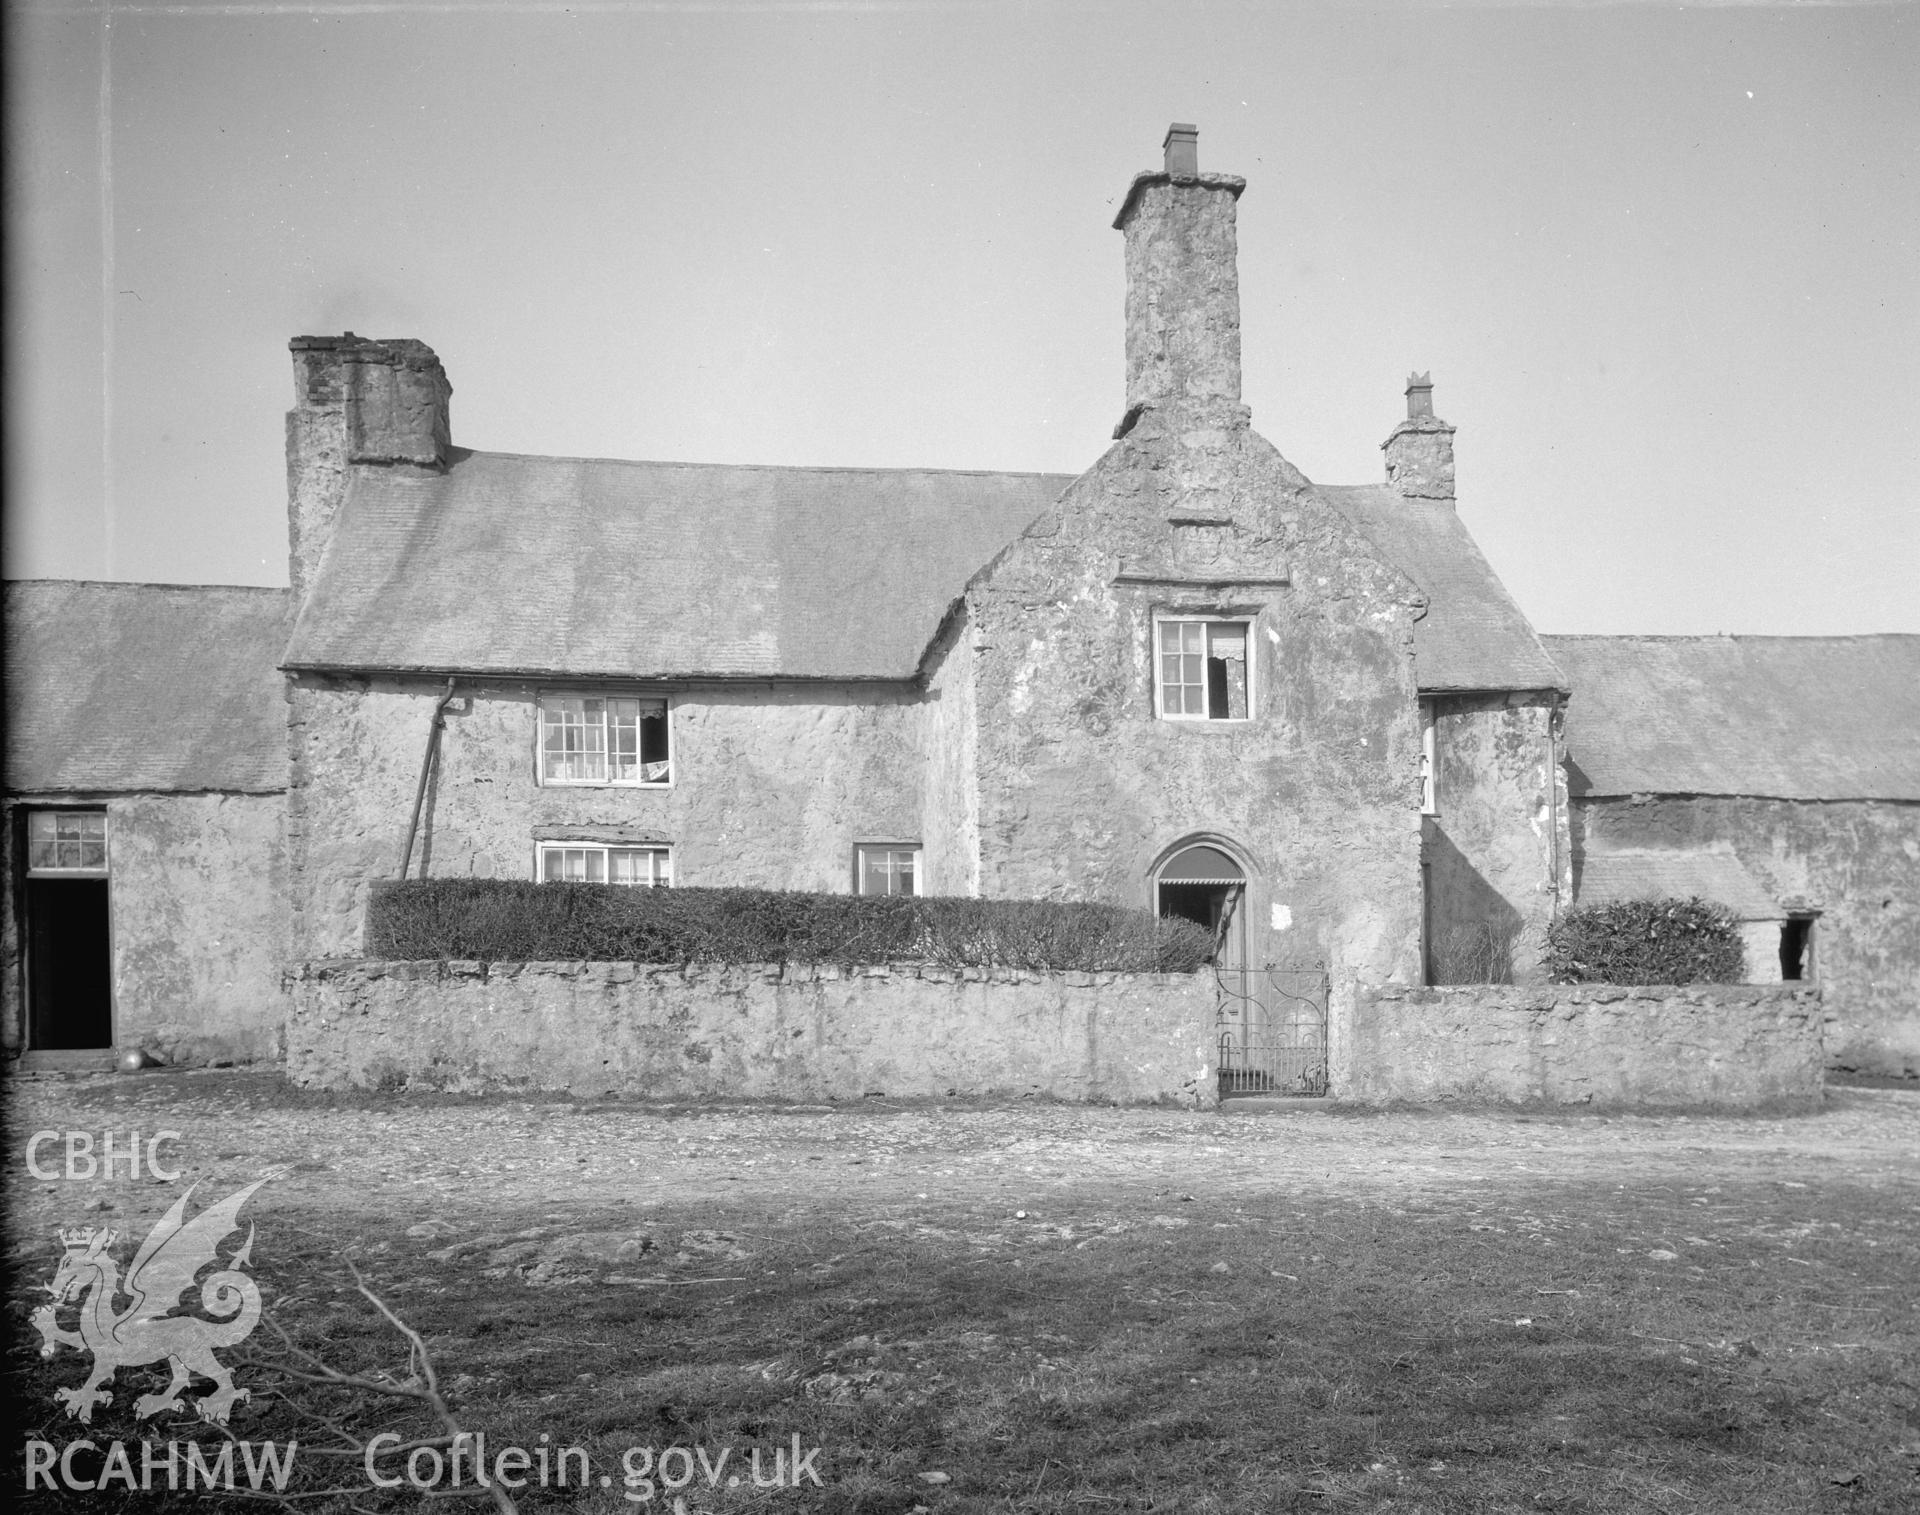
[(1595, 1348)]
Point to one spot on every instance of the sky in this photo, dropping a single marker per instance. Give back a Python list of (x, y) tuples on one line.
[(1663, 263)]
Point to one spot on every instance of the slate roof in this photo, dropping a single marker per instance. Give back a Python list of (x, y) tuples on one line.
[(1473, 635), (1816, 718), (127, 688), (1659, 874), (516, 565), (523, 565)]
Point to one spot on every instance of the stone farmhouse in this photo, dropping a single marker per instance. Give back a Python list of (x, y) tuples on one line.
[(1189, 679)]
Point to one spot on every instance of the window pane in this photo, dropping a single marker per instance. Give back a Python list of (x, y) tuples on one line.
[(653, 741), (623, 739), (888, 870), (40, 840), (634, 866), (74, 841)]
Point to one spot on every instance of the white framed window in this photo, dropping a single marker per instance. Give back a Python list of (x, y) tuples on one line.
[(886, 868), (67, 843), (1429, 801), (1203, 668), (605, 863), (591, 739)]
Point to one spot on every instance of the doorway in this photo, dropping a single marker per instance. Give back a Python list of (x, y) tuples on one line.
[(1202, 884), (68, 931), (1796, 948)]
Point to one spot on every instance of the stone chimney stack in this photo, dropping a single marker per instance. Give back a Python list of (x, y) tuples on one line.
[(1420, 451), (1183, 287), (356, 400)]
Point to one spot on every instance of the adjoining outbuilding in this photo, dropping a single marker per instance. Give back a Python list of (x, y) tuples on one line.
[(146, 777), (1765, 773)]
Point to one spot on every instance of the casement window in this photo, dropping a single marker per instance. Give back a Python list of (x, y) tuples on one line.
[(1203, 669), (886, 868), (593, 863), (585, 739), (1429, 801), (67, 843)]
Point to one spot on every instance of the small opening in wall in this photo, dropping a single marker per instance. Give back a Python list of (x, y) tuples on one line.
[(1796, 948)]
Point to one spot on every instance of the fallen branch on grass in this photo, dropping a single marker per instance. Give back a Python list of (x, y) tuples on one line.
[(421, 1386)]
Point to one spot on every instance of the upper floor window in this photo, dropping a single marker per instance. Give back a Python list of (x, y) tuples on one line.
[(1203, 669), (889, 868), (67, 842), (592, 863), (590, 740)]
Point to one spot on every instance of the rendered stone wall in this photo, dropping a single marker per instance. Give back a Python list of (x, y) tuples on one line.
[(199, 890), (1855, 861), (950, 804), (1083, 787), (1567, 1044), (753, 1032), (772, 787), (1497, 854)]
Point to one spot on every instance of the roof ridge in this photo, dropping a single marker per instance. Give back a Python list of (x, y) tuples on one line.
[(979, 473), (149, 584), (1729, 636)]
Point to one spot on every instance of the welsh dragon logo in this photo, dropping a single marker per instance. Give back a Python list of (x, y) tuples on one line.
[(147, 1330)]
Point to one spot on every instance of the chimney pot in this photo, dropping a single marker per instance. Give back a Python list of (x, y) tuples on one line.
[(1420, 451), (1182, 147), (1419, 395)]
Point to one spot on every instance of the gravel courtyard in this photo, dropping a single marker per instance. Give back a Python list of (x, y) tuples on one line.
[(443, 1157)]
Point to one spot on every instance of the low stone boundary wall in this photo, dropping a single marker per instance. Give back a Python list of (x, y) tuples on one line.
[(798, 1032), (1699, 1044)]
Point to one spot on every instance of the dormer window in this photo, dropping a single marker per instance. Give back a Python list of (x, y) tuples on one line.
[(586, 739), (1203, 669)]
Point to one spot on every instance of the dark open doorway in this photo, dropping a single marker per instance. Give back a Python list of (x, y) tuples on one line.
[(1796, 948), (1204, 885), (68, 933)]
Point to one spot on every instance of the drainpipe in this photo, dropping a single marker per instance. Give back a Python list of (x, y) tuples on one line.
[(1556, 714), (426, 768)]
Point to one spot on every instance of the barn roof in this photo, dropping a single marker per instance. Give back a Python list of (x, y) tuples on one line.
[(118, 688), (1473, 635), (523, 565), (1661, 874), (1818, 718)]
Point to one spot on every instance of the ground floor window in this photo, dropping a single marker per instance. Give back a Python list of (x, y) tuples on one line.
[(593, 863), (886, 868)]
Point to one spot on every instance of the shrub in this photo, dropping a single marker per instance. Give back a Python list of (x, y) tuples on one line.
[(1477, 954), (1668, 941), (498, 920)]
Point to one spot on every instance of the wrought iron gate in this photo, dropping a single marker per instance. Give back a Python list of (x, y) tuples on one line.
[(1271, 1030)]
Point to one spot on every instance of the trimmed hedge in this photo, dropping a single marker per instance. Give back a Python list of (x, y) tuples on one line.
[(1669, 941), (501, 920)]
